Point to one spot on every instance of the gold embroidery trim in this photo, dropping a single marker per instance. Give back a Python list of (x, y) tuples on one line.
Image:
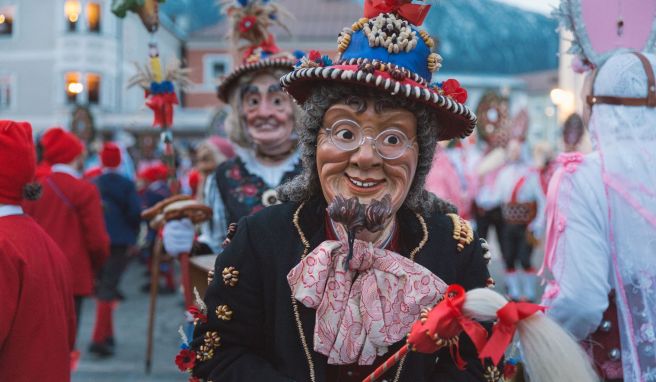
[(462, 231), (223, 312), (230, 276)]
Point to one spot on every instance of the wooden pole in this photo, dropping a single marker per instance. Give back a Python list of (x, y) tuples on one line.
[(388, 364), (186, 279)]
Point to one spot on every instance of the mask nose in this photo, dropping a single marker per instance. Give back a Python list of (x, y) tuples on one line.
[(366, 155)]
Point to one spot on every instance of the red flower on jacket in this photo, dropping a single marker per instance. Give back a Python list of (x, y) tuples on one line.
[(197, 314), (234, 173), (194, 379), (509, 371), (186, 359), (249, 190), (451, 88), (247, 23)]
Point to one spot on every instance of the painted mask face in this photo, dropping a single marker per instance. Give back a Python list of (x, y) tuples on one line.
[(362, 171), (268, 113)]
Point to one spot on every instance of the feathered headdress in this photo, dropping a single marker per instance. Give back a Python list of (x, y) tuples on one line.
[(250, 21)]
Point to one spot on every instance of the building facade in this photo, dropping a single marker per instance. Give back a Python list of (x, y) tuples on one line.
[(67, 63)]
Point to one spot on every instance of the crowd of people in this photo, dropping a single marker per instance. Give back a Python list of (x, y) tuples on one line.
[(351, 203)]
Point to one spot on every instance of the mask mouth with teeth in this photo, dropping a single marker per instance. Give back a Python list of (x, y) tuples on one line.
[(356, 217)]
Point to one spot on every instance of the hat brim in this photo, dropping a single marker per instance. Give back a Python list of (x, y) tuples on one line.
[(225, 88), (456, 119)]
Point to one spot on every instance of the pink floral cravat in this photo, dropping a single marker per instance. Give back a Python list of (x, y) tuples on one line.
[(363, 310)]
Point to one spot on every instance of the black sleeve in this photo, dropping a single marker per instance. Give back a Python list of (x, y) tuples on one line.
[(473, 273), (237, 354), (473, 268)]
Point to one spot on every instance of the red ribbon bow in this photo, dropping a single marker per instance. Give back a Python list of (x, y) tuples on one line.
[(414, 13), (269, 45), (162, 106), (447, 321), (504, 330)]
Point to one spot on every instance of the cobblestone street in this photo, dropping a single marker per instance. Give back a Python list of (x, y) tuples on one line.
[(131, 322)]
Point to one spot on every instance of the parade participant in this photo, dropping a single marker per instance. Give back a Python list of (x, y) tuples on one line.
[(70, 211), (261, 123), (601, 223), (122, 211), (523, 205), (154, 189), (573, 132), (447, 181), (209, 155), (493, 131), (36, 287), (369, 136)]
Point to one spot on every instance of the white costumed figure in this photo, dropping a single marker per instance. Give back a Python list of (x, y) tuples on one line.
[(601, 222)]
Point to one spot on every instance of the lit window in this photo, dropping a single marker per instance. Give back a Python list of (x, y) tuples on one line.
[(73, 87), (93, 88), (93, 17), (72, 10), (6, 21), (5, 91)]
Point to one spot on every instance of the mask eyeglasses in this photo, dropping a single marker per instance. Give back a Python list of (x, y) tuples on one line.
[(347, 135)]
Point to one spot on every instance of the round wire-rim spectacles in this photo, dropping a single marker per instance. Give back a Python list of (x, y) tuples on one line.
[(348, 135)]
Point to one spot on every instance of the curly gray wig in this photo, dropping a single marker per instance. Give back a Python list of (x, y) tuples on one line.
[(306, 185)]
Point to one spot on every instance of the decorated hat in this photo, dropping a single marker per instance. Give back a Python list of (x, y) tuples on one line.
[(18, 159), (601, 32), (250, 20), (60, 146), (110, 155), (154, 172), (386, 50)]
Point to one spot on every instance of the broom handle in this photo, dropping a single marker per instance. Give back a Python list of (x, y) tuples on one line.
[(391, 361)]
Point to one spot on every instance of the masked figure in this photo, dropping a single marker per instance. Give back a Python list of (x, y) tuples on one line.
[(325, 285)]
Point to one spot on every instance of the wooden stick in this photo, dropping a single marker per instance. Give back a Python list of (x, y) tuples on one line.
[(391, 361), (186, 280)]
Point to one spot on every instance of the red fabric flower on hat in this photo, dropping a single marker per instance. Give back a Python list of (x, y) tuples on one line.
[(186, 359), (451, 88), (314, 55), (247, 23)]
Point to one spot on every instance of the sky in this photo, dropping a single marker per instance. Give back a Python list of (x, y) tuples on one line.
[(542, 6)]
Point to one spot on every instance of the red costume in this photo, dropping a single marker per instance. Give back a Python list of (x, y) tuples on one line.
[(70, 211), (37, 318)]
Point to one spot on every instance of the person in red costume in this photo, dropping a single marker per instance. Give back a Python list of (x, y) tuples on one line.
[(70, 211), (35, 276)]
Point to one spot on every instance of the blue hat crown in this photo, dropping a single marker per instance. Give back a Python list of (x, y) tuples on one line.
[(390, 39)]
